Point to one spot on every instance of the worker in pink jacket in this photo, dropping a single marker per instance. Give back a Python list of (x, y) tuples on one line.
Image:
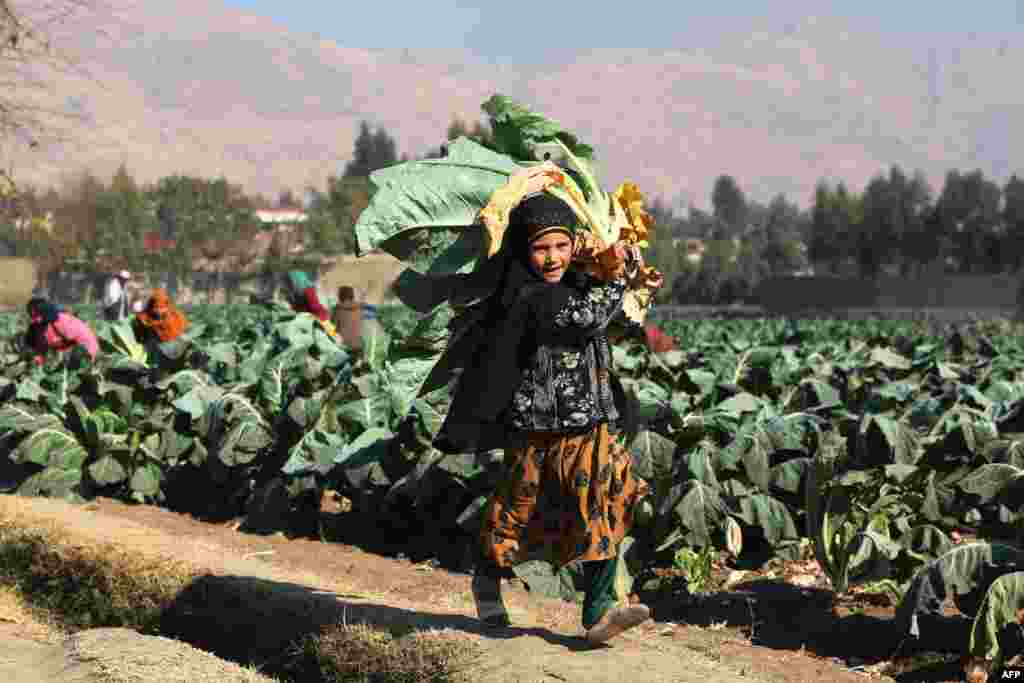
[(52, 329)]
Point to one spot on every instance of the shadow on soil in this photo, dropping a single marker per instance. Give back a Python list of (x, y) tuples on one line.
[(783, 616), (257, 621)]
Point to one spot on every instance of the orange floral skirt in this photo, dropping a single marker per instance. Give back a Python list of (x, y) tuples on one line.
[(565, 498)]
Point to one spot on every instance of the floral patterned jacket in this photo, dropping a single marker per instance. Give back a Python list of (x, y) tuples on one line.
[(567, 385)]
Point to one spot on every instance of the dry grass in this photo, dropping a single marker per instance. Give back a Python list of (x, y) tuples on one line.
[(86, 585), (362, 654), (45, 570), (34, 623), (17, 283)]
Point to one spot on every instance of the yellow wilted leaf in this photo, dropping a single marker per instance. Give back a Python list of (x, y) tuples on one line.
[(633, 221), (528, 181)]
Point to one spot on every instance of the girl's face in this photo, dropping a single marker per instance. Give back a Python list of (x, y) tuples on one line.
[(550, 255)]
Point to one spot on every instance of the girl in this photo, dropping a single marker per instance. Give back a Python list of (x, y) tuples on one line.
[(541, 382), (51, 329), (159, 321)]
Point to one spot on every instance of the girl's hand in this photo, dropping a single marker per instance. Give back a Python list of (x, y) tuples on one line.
[(620, 251)]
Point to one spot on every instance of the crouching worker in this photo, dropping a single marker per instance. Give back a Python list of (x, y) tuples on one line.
[(542, 376), (52, 329), (160, 321), (302, 297)]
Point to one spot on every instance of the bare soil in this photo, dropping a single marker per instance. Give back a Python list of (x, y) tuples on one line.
[(266, 590)]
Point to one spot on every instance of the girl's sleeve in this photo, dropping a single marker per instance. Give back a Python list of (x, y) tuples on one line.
[(75, 330), (314, 306), (586, 313)]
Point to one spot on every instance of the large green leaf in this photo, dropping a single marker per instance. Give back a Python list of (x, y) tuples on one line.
[(882, 440), (788, 476), (889, 359), (652, 455), (433, 193), (518, 131), (1000, 609), (699, 465), (15, 418), (243, 443), (963, 573), (774, 519), (813, 394), (53, 447), (314, 452), (107, 470), (739, 404), (699, 508), (926, 541), (145, 482), (54, 482), (988, 481), (197, 401)]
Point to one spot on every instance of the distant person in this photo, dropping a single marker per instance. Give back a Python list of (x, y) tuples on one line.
[(115, 297), (653, 337), (159, 320), (348, 318), (302, 296), (355, 320), (656, 339), (53, 329), (371, 323)]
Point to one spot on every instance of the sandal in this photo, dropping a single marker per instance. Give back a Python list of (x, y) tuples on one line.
[(617, 620)]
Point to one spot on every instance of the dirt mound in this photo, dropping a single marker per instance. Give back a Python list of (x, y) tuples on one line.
[(113, 655), (309, 583), (118, 655)]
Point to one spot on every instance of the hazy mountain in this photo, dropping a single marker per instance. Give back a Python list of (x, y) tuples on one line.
[(190, 86)]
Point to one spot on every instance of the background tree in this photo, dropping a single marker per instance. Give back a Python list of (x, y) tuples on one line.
[(477, 132), (664, 253), (1013, 222), (77, 214), (729, 205), (823, 238), (781, 248), (330, 228), (878, 237), (919, 245), (968, 213), (371, 151), (124, 214)]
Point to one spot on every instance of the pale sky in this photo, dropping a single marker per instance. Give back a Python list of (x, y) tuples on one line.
[(513, 31)]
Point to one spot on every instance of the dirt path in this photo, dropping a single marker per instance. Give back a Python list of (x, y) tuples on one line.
[(300, 584)]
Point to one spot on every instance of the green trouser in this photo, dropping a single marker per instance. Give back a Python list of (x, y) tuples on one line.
[(599, 594)]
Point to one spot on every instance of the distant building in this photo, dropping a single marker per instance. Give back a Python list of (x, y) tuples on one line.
[(281, 218), (694, 246)]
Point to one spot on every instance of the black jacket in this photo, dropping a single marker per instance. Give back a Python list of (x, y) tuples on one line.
[(545, 367)]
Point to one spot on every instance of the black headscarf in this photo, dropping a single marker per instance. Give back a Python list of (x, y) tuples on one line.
[(34, 336), (496, 347)]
